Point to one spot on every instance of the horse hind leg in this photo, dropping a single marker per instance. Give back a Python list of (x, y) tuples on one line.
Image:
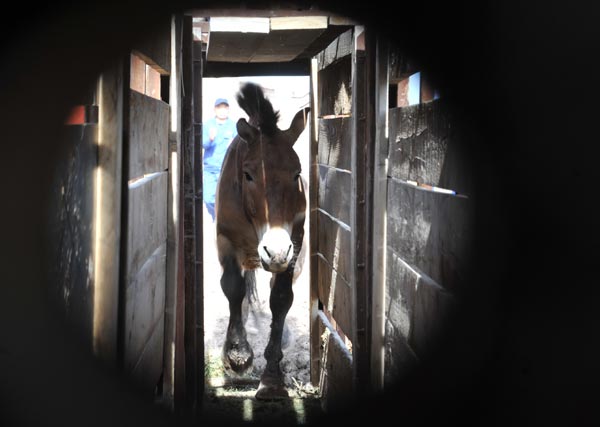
[(271, 381), (237, 353)]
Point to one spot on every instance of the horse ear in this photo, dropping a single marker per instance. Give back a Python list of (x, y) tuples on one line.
[(246, 131), (298, 124)]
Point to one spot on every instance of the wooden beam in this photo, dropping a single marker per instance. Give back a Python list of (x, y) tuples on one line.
[(298, 22), (232, 69)]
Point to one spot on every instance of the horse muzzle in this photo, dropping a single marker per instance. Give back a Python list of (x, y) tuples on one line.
[(276, 250)]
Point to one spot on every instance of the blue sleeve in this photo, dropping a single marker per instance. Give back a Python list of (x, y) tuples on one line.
[(206, 142)]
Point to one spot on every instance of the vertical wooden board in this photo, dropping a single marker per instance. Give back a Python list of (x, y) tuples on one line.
[(137, 72), (336, 295), (334, 244), (148, 135), (149, 367), (341, 47), (147, 221), (334, 192), (432, 312), (399, 358), (335, 88), (144, 305), (400, 291), (334, 142), (431, 231), (152, 83)]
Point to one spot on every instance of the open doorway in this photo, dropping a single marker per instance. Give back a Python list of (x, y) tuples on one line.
[(288, 94)]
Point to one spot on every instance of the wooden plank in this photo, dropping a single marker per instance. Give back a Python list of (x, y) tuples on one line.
[(298, 22), (144, 305), (379, 212), (431, 231), (400, 66), (152, 83), (338, 385), (233, 47), (137, 70), (284, 45), (147, 221), (149, 135), (149, 367), (107, 220), (335, 88), (334, 244), (335, 294), (334, 142), (341, 47), (426, 146), (334, 192), (155, 50)]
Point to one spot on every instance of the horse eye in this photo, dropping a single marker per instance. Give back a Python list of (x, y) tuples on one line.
[(248, 177)]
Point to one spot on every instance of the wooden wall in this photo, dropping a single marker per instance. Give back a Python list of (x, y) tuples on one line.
[(428, 232), (146, 240), (331, 293)]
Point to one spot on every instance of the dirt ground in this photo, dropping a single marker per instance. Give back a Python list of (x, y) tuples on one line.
[(234, 398)]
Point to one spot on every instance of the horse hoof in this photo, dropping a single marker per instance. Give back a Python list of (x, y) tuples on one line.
[(238, 358), (271, 392)]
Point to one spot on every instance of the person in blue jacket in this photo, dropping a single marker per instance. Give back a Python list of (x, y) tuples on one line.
[(217, 134)]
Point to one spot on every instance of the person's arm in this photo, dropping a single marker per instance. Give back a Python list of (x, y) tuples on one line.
[(208, 137)]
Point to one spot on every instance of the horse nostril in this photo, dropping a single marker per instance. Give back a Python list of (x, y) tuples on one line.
[(268, 254)]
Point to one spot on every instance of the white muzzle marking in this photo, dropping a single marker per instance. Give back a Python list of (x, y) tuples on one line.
[(276, 250)]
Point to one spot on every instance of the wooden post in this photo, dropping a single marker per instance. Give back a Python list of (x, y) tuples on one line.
[(108, 214), (379, 211)]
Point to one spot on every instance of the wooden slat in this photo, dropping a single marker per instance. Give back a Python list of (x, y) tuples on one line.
[(233, 47), (341, 47), (334, 142), (335, 88), (156, 48), (149, 135), (298, 22), (334, 192), (338, 387), (425, 146), (430, 231), (144, 306), (335, 295), (149, 367), (334, 244), (147, 221), (284, 45)]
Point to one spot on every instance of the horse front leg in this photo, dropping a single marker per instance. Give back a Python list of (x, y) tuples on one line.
[(237, 353), (271, 381)]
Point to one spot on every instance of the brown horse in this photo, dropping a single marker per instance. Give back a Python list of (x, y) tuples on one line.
[(260, 210)]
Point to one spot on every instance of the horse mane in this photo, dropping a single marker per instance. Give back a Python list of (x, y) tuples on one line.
[(259, 109)]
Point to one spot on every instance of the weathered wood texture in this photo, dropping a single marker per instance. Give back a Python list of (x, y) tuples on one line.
[(336, 374), (149, 135), (425, 147), (339, 48), (334, 140), (400, 66), (430, 232), (335, 294), (285, 45), (156, 48), (334, 192), (71, 231), (335, 88)]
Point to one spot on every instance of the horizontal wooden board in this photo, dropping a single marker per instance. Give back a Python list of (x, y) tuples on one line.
[(144, 305), (335, 145), (233, 47), (155, 49), (334, 244), (285, 45), (425, 146), (298, 22), (148, 135), (336, 295), (335, 188), (431, 231), (341, 47), (335, 88), (147, 222)]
